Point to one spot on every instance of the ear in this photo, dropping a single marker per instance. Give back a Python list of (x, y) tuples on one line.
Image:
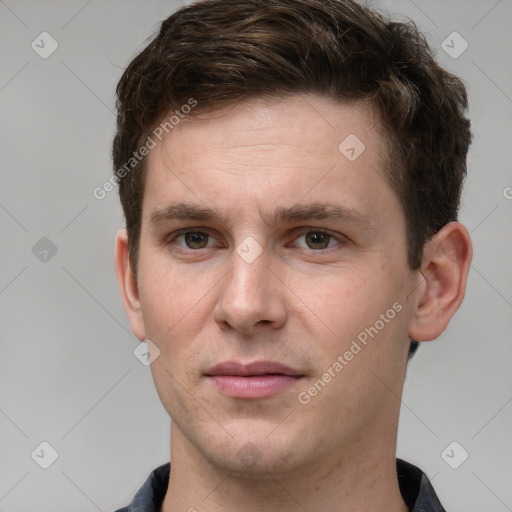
[(128, 285), (443, 274)]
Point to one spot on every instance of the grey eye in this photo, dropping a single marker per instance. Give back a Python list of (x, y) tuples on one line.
[(196, 239)]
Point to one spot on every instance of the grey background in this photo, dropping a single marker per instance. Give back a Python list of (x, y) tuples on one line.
[(68, 374)]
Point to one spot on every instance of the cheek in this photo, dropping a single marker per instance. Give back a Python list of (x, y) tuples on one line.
[(337, 303), (177, 306), (341, 307), (175, 391), (175, 310), (170, 298)]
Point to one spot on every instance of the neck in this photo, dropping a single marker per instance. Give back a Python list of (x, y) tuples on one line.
[(363, 478)]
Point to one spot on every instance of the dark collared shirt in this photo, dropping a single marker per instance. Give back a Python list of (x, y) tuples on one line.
[(415, 487)]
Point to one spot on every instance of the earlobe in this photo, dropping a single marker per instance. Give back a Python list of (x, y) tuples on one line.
[(128, 285), (445, 267)]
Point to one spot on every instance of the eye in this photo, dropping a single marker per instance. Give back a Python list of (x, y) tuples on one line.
[(193, 240), (317, 240)]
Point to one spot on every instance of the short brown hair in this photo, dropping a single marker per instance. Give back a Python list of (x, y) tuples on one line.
[(219, 52)]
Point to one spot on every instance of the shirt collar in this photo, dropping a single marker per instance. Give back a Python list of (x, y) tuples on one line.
[(415, 487)]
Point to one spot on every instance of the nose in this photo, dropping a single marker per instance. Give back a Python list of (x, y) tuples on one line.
[(251, 297)]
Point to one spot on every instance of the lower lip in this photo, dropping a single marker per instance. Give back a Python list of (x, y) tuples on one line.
[(258, 386)]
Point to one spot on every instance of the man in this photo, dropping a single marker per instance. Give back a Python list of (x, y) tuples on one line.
[(290, 173)]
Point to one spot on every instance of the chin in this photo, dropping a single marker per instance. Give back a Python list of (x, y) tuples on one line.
[(253, 453)]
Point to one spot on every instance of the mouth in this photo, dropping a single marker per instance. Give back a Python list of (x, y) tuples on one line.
[(259, 379)]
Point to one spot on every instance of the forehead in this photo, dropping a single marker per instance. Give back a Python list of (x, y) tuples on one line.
[(302, 120), (270, 150)]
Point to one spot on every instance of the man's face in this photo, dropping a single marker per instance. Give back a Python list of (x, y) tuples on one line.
[(280, 247)]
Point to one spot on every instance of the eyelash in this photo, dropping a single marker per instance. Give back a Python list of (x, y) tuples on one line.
[(338, 238), (171, 240)]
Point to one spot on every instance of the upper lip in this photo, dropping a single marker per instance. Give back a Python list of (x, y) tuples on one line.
[(255, 368)]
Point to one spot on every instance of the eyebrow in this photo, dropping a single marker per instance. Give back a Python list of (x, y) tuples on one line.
[(184, 211), (313, 211), (321, 211)]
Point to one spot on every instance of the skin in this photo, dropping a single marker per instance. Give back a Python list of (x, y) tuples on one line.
[(298, 303)]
